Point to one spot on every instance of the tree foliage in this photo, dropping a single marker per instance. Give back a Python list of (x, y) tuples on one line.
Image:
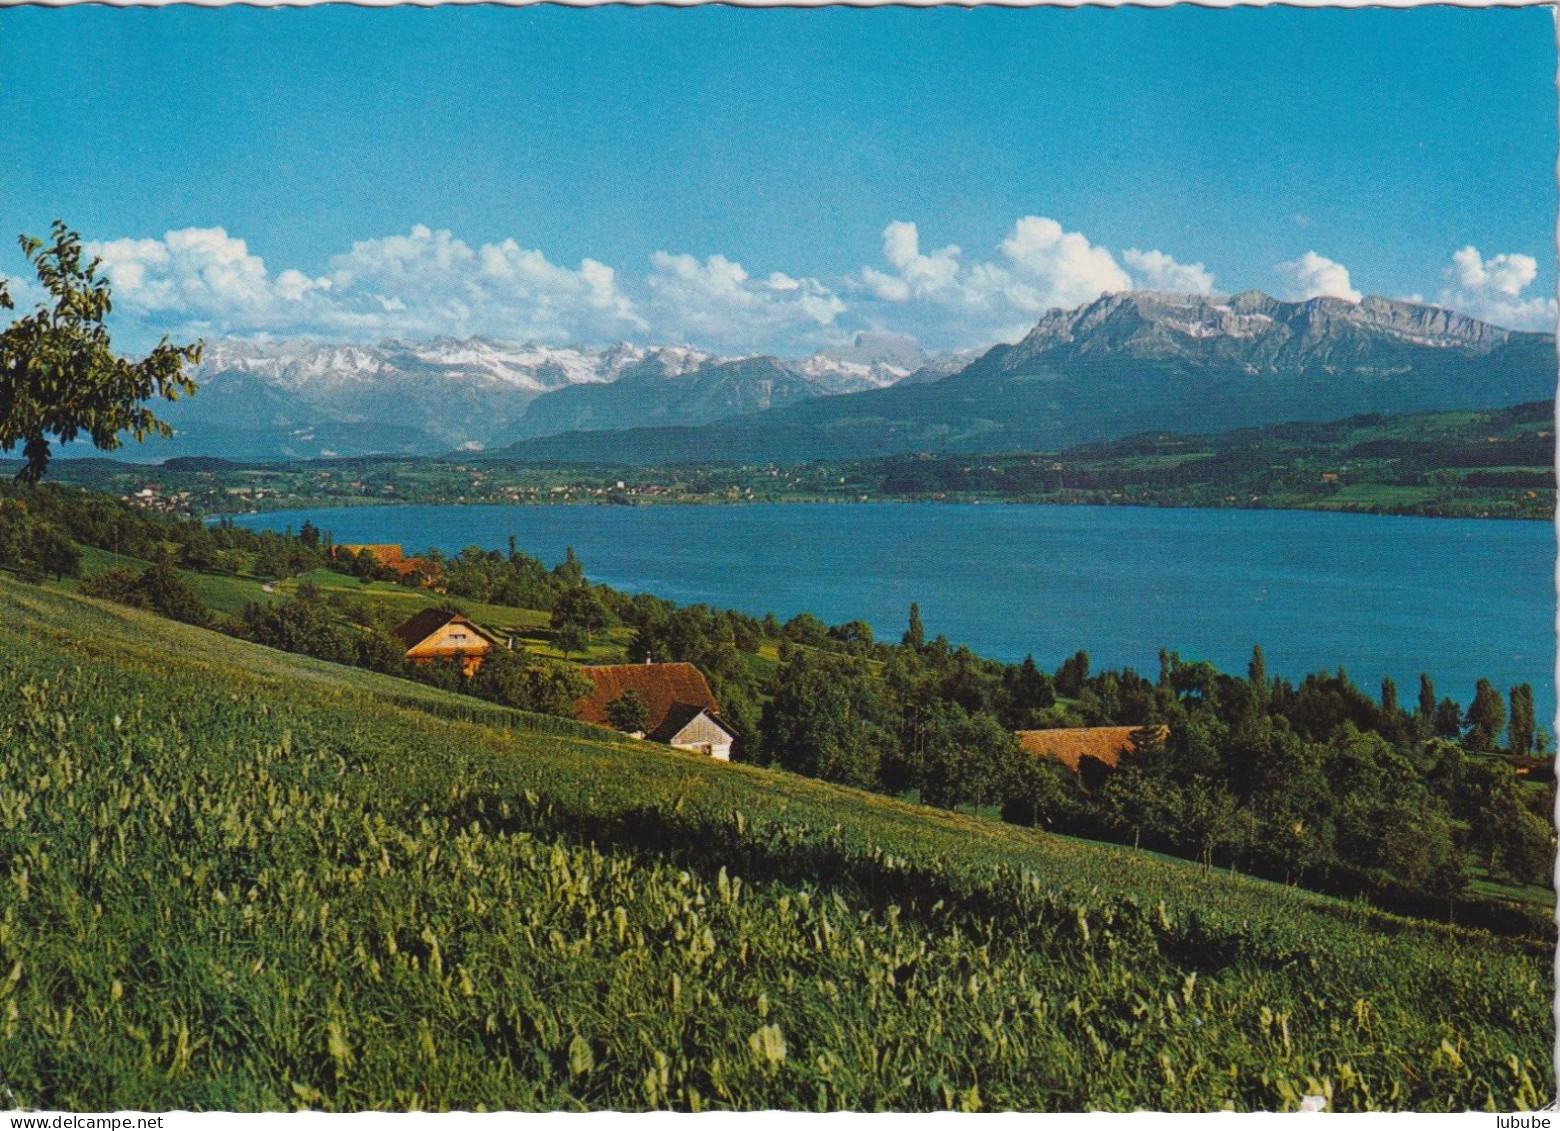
[(824, 718), (578, 615), (34, 547), (629, 713), (59, 376), (160, 588), (1486, 717), (966, 759), (1523, 728), (518, 679)]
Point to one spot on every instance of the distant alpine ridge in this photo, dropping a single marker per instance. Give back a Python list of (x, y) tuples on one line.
[(1123, 364), (304, 400), (1126, 364), (722, 388), (1258, 334)]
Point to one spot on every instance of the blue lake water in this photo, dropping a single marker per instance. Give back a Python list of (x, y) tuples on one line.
[(1377, 595)]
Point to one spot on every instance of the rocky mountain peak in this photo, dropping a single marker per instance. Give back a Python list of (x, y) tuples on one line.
[(1255, 331)]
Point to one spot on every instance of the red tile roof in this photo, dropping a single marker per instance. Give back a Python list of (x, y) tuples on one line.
[(661, 686), (389, 556), (385, 553), (1073, 744)]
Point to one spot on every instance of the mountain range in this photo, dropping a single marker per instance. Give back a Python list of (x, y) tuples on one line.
[(303, 400), (1129, 363), (720, 389), (1125, 363)]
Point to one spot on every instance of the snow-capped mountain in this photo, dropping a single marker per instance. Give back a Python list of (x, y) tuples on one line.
[(873, 360), (1131, 363), (311, 368), (720, 389), (300, 399)]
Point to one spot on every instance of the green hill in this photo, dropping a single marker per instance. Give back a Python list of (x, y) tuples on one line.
[(240, 879)]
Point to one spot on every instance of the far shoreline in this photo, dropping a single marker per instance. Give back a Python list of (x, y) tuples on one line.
[(1493, 464), (329, 504)]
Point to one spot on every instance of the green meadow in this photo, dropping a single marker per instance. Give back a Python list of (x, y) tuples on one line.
[(233, 878)]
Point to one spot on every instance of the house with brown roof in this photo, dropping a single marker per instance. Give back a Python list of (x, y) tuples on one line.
[(681, 707), (435, 635), (1072, 745)]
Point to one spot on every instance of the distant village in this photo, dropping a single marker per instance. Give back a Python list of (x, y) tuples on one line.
[(176, 489)]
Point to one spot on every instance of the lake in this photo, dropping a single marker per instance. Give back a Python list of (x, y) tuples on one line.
[(1378, 595)]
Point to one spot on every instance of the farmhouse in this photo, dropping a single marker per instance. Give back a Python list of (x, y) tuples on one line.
[(433, 635), (1073, 745), (682, 709)]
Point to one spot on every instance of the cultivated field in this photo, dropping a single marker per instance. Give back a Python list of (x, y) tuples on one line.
[(236, 878)]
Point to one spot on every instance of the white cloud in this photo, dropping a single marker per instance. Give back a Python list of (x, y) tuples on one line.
[(426, 282), (202, 280), (939, 296), (716, 302), (1049, 267), (1316, 276), (916, 276), (1491, 290), (1156, 271), (430, 282), (1506, 274), (204, 274)]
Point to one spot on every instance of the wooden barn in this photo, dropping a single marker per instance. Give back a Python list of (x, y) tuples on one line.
[(1071, 746), (434, 635), (682, 709)]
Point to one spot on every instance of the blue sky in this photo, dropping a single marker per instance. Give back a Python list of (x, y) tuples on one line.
[(773, 180)]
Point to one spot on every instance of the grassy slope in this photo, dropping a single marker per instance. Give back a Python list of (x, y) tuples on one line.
[(410, 601), (530, 627), (219, 592), (240, 879), (226, 595)]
